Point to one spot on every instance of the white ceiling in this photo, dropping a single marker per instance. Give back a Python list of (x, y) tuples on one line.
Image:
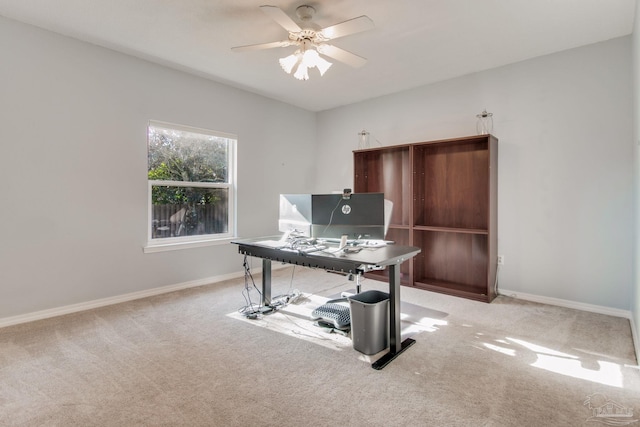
[(415, 42)]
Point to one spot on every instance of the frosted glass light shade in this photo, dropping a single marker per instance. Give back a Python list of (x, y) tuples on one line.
[(323, 65), (302, 72), (290, 61)]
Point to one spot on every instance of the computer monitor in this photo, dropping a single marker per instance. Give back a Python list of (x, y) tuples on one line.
[(295, 214), (358, 216)]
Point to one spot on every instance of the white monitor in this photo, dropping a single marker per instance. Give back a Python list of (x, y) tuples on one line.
[(295, 214)]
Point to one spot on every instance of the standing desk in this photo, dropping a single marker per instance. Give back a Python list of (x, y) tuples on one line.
[(390, 256)]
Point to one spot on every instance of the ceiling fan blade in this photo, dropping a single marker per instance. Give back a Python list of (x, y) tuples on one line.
[(352, 26), (260, 46), (275, 13), (342, 55)]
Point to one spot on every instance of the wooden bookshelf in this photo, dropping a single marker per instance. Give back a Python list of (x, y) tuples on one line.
[(445, 202)]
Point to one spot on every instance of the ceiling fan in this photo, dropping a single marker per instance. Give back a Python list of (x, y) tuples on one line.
[(311, 41)]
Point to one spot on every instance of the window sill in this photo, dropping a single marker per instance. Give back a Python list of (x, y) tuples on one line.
[(174, 246)]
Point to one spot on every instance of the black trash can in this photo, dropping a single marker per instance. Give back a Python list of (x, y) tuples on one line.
[(369, 312)]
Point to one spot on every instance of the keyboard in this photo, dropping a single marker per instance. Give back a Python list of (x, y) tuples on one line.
[(306, 249), (310, 249)]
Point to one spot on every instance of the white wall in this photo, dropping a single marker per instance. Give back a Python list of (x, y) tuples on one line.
[(565, 194), (73, 135), (73, 153), (636, 178)]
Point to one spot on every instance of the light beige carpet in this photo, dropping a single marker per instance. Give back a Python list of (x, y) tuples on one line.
[(185, 359)]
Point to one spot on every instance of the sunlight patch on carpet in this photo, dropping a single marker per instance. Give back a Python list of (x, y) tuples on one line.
[(602, 372)]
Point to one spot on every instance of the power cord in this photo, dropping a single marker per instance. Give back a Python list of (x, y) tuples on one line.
[(331, 217), (252, 310), (495, 284)]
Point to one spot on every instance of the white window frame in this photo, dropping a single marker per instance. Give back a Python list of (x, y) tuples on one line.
[(183, 242)]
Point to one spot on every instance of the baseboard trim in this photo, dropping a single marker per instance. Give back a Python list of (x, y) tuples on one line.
[(103, 302), (568, 304)]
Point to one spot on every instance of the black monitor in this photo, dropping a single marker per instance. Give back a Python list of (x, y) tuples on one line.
[(358, 216)]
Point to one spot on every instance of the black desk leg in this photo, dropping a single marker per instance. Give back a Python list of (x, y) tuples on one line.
[(396, 345), (266, 281)]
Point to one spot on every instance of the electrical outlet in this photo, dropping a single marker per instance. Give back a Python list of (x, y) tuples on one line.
[(500, 259)]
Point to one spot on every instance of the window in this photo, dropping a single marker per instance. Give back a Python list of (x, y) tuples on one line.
[(191, 174)]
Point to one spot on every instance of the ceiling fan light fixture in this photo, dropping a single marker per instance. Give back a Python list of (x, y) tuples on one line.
[(311, 58), (304, 60), (311, 41)]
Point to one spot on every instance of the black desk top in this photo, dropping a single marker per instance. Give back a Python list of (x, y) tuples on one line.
[(358, 262)]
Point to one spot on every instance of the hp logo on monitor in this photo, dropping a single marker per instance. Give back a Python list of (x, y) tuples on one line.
[(346, 209)]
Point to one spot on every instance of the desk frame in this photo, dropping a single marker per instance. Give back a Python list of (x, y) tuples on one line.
[(391, 256)]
